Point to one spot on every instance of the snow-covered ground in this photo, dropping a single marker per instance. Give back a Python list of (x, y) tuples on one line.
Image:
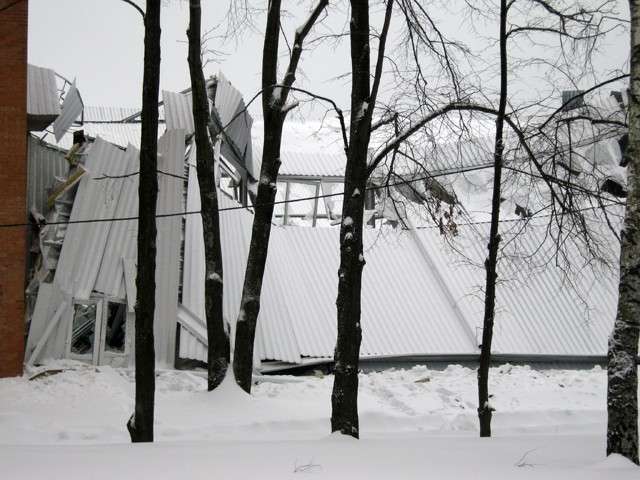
[(416, 423)]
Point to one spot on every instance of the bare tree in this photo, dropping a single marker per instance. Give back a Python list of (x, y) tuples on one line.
[(532, 141), (577, 24), (344, 397), (622, 388), (218, 338), (140, 424), (484, 407), (275, 109), (543, 152)]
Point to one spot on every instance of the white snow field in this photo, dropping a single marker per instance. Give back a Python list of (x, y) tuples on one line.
[(416, 423)]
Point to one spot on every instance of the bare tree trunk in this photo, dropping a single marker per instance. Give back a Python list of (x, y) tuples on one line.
[(140, 425), (250, 301), (344, 397), (275, 109), (622, 388), (273, 121), (218, 338), (484, 407)]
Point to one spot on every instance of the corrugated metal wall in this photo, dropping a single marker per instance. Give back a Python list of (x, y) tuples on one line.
[(71, 109), (171, 148), (44, 165), (42, 95), (123, 235), (84, 244)]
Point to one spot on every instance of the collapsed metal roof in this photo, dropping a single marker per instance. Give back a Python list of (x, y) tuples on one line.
[(43, 102), (420, 295), (96, 257)]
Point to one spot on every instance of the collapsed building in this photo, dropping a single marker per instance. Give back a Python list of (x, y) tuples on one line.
[(422, 296)]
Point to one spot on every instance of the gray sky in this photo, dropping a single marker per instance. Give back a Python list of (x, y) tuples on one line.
[(100, 43)]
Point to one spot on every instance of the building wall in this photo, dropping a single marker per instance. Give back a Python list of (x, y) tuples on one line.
[(13, 182)]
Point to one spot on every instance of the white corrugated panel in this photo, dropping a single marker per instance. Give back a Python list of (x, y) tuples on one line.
[(42, 94), (122, 240), (44, 165), (121, 134), (171, 148), (316, 164), (235, 230), (193, 335), (191, 347), (540, 308), (178, 111), (84, 243), (71, 109), (193, 271), (93, 113), (48, 300), (420, 296), (404, 310), (277, 337), (235, 120)]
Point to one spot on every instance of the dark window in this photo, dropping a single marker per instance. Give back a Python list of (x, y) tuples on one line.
[(84, 328), (116, 327), (574, 99)]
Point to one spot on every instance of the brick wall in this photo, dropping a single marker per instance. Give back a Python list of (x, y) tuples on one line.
[(13, 182)]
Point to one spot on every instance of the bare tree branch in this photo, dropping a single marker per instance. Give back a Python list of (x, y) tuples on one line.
[(379, 63), (134, 5), (580, 95), (298, 39)]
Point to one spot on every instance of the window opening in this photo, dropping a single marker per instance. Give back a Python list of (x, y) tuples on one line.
[(116, 327), (83, 333)]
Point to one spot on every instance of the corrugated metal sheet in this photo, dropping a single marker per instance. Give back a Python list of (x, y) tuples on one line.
[(235, 227), (193, 335), (71, 109), (237, 122), (93, 113), (171, 148), (315, 164), (122, 239), (403, 306), (540, 308), (178, 111), (193, 272), (84, 243), (48, 300), (42, 95), (442, 157), (121, 134), (44, 165), (420, 295)]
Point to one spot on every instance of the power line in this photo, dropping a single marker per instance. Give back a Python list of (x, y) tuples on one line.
[(281, 202)]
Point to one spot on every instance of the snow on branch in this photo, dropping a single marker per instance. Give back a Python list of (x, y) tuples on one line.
[(300, 35)]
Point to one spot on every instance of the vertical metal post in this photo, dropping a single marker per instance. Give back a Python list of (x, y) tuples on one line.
[(286, 204), (315, 204)]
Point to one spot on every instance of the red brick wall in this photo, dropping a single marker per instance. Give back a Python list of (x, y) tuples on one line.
[(13, 182)]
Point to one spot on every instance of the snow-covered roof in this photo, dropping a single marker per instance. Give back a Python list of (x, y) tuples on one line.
[(421, 293)]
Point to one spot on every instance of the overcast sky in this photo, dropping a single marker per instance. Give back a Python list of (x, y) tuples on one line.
[(100, 43)]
